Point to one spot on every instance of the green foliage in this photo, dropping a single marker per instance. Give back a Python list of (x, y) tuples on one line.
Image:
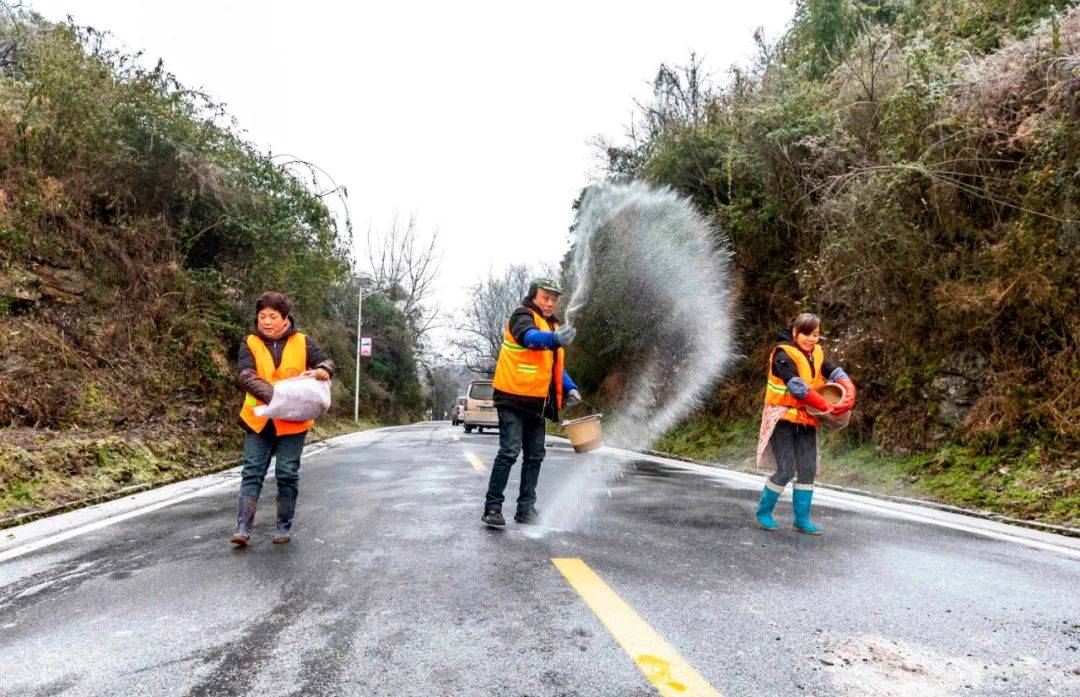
[(1030, 486), (706, 438), (147, 226), (906, 168), (389, 382), (42, 470), (822, 30)]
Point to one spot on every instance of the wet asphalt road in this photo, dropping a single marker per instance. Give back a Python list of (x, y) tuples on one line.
[(392, 587)]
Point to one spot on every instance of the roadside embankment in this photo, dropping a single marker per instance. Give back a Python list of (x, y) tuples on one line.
[(1012, 485), (47, 472)]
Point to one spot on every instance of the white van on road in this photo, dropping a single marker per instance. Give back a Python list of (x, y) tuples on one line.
[(480, 408)]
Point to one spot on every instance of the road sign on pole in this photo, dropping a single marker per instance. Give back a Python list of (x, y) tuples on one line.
[(365, 346)]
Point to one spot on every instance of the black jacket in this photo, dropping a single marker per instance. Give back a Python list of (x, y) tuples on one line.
[(247, 376), (521, 321), (785, 369)]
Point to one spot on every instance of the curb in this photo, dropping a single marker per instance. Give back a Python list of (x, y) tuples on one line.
[(981, 524), (22, 518), (43, 530), (948, 508), (30, 516)]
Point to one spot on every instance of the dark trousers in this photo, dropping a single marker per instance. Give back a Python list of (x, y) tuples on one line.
[(795, 448), (258, 449), (517, 431)]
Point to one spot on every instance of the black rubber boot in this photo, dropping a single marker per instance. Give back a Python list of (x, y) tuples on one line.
[(493, 518), (527, 517), (286, 508), (245, 518)]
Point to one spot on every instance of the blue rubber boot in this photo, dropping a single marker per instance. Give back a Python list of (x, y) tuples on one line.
[(800, 503), (766, 503)]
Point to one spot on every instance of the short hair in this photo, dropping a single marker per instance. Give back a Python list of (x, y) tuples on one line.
[(275, 301), (805, 323)]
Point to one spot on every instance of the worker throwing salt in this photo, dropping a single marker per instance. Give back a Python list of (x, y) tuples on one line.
[(275, 351), (530, 384), (788, 440)]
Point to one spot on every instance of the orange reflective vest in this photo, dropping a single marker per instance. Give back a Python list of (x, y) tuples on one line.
[(776, 391), (293, 362), (529, 372)]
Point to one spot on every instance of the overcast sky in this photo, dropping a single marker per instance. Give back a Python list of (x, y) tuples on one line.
[(476, 116)]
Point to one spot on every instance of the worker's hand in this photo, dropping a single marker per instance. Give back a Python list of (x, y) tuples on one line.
[(848, 401), (573, 398), (565, 335), (816, 401), (318, 374)]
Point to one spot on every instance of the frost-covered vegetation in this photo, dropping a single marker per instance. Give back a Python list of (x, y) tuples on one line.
[(137, 225), (909, 169)]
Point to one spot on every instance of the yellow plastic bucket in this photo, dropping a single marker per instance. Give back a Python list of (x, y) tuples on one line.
[(584, 433)]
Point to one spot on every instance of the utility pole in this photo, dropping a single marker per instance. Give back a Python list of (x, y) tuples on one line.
[(359, 329), (361, 279)]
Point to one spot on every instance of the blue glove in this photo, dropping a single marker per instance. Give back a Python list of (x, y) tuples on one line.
[(536, 339)]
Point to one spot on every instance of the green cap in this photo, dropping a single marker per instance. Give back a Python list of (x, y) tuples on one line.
[(545, 283)]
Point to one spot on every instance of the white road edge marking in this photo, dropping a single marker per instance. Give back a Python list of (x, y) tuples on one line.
[(49, 540), (1035, 539), (992, 529), (90, 527)]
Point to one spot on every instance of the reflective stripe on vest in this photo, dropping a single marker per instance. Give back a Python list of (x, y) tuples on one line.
[(528, 372), (776, 391), (293, 362)]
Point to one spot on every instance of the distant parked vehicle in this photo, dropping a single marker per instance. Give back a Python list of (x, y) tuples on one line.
[(458, 414), (480, 408)]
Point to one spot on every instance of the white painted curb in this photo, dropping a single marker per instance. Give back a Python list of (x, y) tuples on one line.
[(1037, 539), (37, 534)]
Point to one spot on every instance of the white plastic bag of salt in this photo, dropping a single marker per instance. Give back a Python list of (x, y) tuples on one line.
[(297, 399)]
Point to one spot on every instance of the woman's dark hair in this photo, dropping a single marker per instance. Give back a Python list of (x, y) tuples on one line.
[(805, 323), (274, 301)]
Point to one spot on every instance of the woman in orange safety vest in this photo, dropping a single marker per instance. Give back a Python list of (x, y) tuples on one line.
[(275, 351), (788, 439)]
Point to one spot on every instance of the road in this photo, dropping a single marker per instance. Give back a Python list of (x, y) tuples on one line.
[(646, 578)]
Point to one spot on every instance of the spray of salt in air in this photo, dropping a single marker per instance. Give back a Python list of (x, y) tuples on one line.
[(650, 269)]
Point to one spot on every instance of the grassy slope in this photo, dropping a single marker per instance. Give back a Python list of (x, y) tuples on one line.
[(933, 223), (60, 469), (1002, 483), (137, 225)]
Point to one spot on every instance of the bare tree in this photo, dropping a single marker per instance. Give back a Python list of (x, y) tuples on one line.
[(11, 36), (492, 300), (683, 96), (869, 71), (444, 381), (404, 265)]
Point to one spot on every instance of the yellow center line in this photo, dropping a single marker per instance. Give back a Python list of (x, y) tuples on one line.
[(655, 658), (474, 461)]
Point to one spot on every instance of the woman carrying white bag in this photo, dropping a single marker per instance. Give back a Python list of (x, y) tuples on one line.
[(277, 354)]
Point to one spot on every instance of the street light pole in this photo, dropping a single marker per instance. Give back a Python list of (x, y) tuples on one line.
[(359, 330), (360, 295)]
